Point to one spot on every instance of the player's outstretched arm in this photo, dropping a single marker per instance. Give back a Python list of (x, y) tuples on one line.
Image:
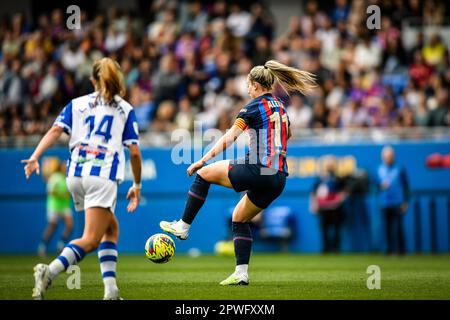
[(32, 164), (134, 193), (289, 133), (224, 142)]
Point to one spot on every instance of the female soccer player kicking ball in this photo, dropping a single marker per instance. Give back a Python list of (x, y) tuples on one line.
[(263, 171), (100, 125)]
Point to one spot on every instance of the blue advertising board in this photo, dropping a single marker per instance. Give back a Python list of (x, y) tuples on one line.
[(165, 184)]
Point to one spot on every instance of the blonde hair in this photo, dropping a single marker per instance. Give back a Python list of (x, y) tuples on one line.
[(291, 79), (109, 78)]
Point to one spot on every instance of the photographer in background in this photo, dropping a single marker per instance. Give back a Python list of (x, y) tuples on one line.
[(326, 200), (394, 193)]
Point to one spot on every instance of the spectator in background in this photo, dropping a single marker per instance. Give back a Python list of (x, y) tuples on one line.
[(162, 30), (72, 56), (319, 116), (419, 71), (165, 116), (196, 19), (353, 115), (367, 54), (185, 117), (143, 107), (49, 84), (439, 115), (435, 52), (167, 80), (239, 21), (433, 12), (393, 196), (205, 50), (299, 114), (14, 86), (327, 198), (341, 11), (262, 51)]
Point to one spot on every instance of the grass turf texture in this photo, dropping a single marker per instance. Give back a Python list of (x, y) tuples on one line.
[(272, 276)]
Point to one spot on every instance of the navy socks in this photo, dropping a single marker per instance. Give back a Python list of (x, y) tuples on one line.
[(196, 198), (242, 238)]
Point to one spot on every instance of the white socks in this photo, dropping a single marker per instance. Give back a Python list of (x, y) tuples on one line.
[(241, 269), (107, 255), (71, 254)]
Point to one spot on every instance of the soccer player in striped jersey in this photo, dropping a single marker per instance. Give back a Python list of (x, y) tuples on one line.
[(263, 171), (100, 125)]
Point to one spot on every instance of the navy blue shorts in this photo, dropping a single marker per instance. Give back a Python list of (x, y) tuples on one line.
[(263, 184)]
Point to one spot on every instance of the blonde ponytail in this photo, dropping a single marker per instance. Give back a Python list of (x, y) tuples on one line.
[(109, 79), (291, 79)]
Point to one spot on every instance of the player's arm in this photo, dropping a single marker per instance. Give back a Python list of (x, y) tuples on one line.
[(134, 193), (130, 138), (289, 133), (224, 142), (63, 123), (289, 129), (32, 164)]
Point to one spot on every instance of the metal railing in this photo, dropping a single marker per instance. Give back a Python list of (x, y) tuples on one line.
[(300, 136)]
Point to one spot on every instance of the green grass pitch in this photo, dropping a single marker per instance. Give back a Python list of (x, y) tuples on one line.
[(272, 276)]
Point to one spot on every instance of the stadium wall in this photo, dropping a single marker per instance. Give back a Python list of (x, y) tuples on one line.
[(427, 223)]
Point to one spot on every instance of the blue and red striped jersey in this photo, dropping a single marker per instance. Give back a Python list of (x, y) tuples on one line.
[(267, 124)]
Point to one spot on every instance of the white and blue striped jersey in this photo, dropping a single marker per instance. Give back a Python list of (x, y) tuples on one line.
[(98, 133)]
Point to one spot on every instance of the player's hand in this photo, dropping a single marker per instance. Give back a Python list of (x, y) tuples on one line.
[(194, 167), (134, 195), (31, 166)]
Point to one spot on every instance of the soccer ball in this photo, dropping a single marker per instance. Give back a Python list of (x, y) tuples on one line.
[(224, 248), (160, 248)]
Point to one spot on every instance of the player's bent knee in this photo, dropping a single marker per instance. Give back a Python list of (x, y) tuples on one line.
[(91, 243), (203, 172), (112, 235), (239, 218)]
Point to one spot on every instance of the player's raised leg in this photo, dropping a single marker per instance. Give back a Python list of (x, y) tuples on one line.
[(107, 255), (215, 173), (97, 221), (242, 238)]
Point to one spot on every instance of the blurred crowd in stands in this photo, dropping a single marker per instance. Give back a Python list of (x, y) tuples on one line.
[(187, 61)]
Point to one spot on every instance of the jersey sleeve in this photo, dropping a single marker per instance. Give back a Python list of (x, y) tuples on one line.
[(244, 118), (64, 120), (131, 131)]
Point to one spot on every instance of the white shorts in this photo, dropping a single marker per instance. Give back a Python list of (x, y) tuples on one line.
[(53, 216), (89, 192)]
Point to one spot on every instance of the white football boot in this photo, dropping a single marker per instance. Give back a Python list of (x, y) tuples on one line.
[(236, 280), (41, 281), (175, 228), (112, 295)]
